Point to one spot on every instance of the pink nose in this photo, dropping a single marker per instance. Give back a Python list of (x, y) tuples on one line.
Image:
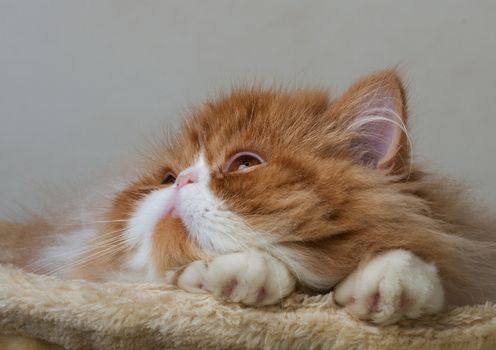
[(189, 178)]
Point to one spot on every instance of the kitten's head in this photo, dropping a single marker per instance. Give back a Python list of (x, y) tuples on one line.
[(267, 168)]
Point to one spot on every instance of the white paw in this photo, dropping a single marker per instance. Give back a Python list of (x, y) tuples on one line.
[(251, 277), (392, 285)]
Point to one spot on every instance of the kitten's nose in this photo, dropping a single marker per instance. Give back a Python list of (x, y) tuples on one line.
[(187, 178)]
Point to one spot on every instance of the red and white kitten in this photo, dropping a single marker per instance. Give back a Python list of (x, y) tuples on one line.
[(263, 191)]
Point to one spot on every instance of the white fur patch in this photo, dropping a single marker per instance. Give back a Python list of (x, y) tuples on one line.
[(216, 229), (141, 227)]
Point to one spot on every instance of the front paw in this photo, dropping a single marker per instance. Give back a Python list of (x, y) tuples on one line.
[(392, 285), (252, 277)]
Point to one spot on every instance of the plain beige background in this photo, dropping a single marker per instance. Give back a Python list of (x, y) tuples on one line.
[(84, 83)]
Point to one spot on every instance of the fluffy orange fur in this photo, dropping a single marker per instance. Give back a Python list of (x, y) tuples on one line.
[(319, 196)]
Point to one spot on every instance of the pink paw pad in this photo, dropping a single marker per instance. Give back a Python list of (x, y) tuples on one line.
[(375, 301), (403, 301), (261, 295), (229, 288)]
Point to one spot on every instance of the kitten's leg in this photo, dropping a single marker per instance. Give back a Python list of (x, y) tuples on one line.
[(251, 277), (390, 286)]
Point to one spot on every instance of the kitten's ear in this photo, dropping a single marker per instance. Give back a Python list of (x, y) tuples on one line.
[(373, 114)]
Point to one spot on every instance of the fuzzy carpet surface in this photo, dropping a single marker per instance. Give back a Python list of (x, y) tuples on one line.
[(85, 315)]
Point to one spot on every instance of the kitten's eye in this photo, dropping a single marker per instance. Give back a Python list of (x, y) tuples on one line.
[(242, 162), (169, 179)]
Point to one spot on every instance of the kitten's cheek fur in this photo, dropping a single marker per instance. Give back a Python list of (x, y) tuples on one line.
[(392, 285), (251, 277)]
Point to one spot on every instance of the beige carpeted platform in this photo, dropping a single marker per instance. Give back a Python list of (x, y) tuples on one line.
[(84, 315)]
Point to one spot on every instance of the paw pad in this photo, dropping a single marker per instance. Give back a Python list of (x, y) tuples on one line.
[(261, 295), (229, 288)]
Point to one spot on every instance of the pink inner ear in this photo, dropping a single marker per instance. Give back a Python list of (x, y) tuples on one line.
[(378, 129)]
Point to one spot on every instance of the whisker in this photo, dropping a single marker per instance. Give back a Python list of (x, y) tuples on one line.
[(106, 252), (57, 264), (78, 222), (80, 251)]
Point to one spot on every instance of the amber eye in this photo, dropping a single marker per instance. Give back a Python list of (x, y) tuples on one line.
[(169, 179), (242, 162)]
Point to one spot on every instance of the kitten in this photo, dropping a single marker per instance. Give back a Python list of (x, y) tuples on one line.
[(264, 191)]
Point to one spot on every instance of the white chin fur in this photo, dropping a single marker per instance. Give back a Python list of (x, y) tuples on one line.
[(140, 230)]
